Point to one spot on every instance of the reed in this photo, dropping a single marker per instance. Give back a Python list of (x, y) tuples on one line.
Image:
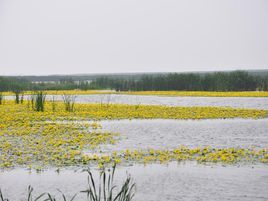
[(53, 104), (38, 101), (1, 98), (105, 190), (17, 97), (22, 98), (69, 101)]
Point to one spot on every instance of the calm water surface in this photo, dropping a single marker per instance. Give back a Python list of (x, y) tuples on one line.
[(237, 102), (165, 134)]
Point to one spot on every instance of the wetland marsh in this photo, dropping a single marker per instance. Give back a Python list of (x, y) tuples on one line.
[(190, 140)]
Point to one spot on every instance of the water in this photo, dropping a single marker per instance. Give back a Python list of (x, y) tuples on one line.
[(236, 102), (161, 134), (176, 181)]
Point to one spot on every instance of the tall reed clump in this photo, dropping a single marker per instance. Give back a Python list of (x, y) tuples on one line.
[(1, 98), (53, 104), (17, 96), (69, 101), (38, 101), (22, 98), (104, 192)]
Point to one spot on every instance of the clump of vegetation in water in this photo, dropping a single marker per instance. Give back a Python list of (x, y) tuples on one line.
[(38, 101), (53, 104), (69, 101), (104, 192), (17, 97), (1, 98)]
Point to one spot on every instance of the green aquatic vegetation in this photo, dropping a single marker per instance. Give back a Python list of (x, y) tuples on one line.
[(1, 98), (38, 101), (69, 101), (105, 189)]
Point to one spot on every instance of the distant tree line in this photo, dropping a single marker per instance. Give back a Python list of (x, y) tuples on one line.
[(13, 84), (20, 85), (218, 81)]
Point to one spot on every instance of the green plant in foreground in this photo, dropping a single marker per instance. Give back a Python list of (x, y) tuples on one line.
[(105, 191), (106, 188)]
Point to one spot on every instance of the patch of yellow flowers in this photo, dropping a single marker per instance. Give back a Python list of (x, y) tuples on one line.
[(59, 138), (157, 93), (40, 139), (24, 113), (201, 155)]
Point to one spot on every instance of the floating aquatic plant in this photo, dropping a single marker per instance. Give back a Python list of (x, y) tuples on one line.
[(59, 138)]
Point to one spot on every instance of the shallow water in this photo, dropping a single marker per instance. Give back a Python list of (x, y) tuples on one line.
[(236, 102), (183, 181), (161, 134)]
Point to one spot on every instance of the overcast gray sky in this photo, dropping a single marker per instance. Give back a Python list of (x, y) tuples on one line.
[(109, 36)]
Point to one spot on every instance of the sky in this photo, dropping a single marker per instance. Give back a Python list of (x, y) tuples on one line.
[(41, 37)]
